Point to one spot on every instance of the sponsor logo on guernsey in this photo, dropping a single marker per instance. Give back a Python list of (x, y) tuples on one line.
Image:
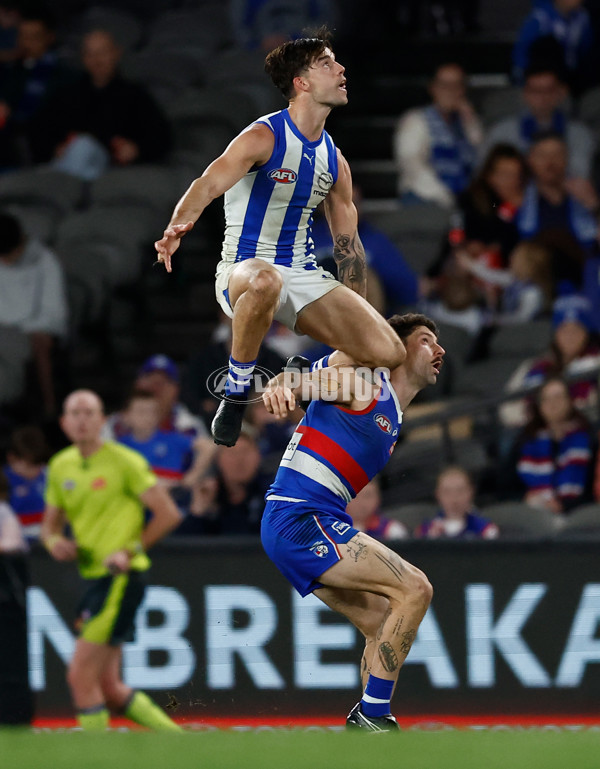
[(383, 423), (283, 175), (98, 483), (340, 527), (320, 549)]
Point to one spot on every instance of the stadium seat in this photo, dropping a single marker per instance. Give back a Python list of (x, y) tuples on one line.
[(522, 339), (582, 523), (205, 27), (171, 70), (499, 103), (589, 109), (42, 185), (517, 519), (126, 29), (150, 186)]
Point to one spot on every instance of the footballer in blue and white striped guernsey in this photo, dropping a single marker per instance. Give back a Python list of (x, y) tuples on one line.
[(273, 176)]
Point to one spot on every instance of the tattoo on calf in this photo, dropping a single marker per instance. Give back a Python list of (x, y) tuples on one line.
[(407, 641), (388, 657)]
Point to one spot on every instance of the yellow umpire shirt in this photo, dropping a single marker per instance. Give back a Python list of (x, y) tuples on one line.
[(100, 498)]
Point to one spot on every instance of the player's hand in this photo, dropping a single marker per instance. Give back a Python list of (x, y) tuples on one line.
[(62, 549), (118, 562), (169, 243), (279, 400)]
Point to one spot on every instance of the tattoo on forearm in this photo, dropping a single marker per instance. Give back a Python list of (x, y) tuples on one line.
[(398, 626), (383, 621), (388, 657), (395, 568), (356, 549), (407, 641), (349, 256)]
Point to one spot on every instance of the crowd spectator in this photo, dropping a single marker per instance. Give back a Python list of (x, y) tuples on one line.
[(33, 302), (102, 119), (554, 454), (11, 536), (545, 96), (365, 511), (574, 351), (519, 293), (435, 146), (457, 517), (556, 31), (178, 460), (27, 83), (232, 500), (25, 469), (159, 375), (483, 228), (558, 214)]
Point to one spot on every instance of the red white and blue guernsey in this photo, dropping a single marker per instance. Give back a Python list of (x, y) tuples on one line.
[(333, 453), (269, 212)]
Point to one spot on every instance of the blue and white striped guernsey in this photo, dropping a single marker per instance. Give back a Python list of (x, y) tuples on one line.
[(269, 212)]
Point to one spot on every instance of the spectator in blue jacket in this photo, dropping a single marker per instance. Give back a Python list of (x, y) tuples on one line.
[(555, 30)]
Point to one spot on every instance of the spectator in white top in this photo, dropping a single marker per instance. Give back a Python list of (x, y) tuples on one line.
[(435, 147), (544, 96), (32, 303)]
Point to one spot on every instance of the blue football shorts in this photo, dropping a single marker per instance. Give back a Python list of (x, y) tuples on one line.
[(304, 542)]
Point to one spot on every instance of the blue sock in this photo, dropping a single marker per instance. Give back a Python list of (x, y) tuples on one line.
[(239, 378), (375, 701)]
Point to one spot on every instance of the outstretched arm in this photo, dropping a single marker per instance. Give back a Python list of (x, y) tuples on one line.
[(342, 217), (252, 147)]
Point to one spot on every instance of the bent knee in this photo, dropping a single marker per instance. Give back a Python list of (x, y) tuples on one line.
[(266, 285), (423, 588)]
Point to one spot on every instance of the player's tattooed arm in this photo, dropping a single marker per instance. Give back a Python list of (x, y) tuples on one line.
[(349, 255)]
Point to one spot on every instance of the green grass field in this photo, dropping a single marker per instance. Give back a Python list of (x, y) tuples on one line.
[(528, 749)]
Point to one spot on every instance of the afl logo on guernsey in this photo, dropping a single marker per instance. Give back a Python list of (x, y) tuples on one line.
[(283, 175), (383, 423)]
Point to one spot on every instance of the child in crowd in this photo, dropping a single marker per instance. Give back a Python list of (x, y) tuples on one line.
[(457, 517), (25, 470), (525, 287), (178, 460)]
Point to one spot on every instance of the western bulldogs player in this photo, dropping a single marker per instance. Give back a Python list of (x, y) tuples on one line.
[(346, 437), (274, 175)]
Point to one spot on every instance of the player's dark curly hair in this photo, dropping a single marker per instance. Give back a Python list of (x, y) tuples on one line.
[(405, 324), (290, 59)]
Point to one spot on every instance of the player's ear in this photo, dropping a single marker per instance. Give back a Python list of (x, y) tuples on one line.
[(300, 83)]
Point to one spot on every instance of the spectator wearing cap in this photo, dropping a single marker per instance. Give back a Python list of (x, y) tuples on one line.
[(159, 376), (33, 313), (544, 96), (574, 350)]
